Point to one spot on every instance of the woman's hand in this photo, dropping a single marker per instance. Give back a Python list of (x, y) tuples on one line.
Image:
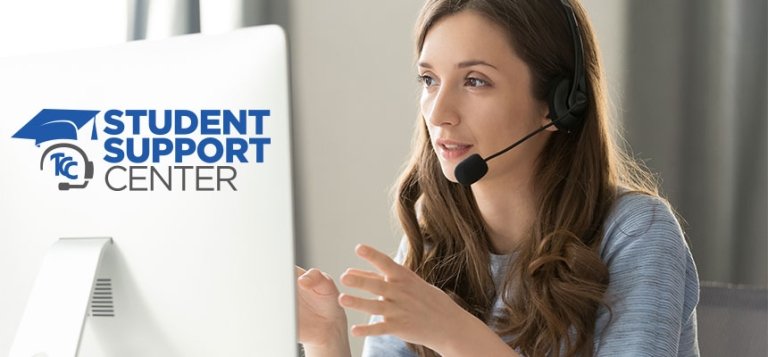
[(322, 322), (412, 309)]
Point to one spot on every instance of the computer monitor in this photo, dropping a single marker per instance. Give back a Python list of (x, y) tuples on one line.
[(146, 190)]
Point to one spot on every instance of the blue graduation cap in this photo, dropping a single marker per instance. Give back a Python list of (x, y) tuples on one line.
[(52, 124)]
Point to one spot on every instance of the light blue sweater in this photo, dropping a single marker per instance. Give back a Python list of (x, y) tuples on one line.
[(653, 289)]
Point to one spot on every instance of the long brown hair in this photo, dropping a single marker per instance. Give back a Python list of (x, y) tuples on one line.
[(557, 280)]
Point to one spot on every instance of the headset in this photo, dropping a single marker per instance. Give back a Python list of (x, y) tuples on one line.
[(568, 98), (64, 186)]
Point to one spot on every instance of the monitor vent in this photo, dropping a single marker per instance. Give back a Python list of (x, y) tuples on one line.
[(102, 303)]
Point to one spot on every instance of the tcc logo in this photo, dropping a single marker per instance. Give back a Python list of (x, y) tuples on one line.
[(58, 124), (63, 165)]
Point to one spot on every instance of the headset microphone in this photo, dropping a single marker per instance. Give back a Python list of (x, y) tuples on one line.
[(473, 168), (567, 103), (65, 186)]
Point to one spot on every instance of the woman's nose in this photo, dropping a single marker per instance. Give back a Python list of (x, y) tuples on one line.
[(443, 108)]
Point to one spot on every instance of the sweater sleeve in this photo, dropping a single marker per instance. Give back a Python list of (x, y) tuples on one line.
[(653, 287)]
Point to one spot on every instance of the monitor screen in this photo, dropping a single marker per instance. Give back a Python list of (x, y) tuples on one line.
[(166, 166)]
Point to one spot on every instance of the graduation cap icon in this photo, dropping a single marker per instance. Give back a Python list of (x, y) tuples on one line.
[(52, 124)]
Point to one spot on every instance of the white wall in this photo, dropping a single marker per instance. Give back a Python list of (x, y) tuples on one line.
[(609, 19), (355, 106), (37, 26)]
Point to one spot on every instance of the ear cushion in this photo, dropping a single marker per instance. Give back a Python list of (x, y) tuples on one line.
[(88, 169), (566, 116)]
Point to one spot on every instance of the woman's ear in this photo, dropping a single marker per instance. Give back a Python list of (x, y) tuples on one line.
[(545, 120)]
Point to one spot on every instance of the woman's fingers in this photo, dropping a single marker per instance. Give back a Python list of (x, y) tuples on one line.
[(317, 281), (365, 273), (371, 282), (299, 270), (381, 261), (372, 307), (379, 328)]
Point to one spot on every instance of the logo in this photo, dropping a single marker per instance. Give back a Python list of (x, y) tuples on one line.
[(59, 124), (148, 149)]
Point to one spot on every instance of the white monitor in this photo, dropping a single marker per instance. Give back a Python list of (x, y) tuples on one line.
[(166, 167)]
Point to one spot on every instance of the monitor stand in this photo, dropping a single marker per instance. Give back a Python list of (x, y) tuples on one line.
[(53, 320)]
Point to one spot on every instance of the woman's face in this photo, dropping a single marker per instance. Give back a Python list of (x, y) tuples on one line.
[(477, 96)]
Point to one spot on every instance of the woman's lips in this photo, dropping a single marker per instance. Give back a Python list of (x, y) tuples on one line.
[(451, 150)]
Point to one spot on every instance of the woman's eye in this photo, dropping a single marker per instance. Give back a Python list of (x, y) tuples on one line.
[(426, 80), (475, 82)]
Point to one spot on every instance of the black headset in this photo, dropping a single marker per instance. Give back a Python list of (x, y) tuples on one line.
[(568, 98), (63, 186)]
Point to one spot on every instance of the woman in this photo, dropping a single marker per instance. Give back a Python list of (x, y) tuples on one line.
[(562, 249)]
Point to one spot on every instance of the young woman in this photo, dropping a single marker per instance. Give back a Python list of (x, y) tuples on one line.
[(563, 248)]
